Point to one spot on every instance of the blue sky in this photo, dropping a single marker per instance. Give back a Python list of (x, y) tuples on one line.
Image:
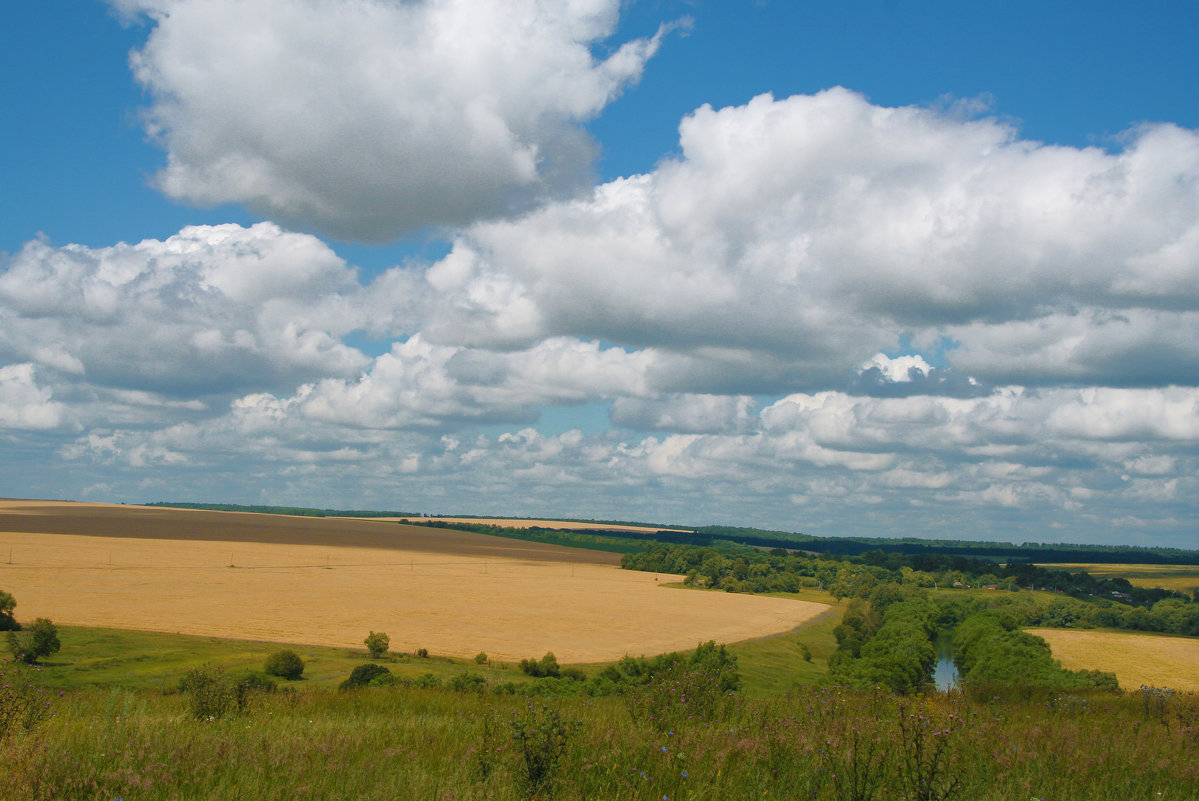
[(863, 268)]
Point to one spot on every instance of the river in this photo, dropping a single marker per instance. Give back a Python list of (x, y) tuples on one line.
[(945, 674)]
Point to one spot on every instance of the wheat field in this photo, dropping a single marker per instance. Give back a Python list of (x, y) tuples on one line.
[(328, 581), (1136, 659), (1180, 578)]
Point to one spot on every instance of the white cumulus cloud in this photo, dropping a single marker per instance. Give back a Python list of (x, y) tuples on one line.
[(793, 239), (209, 310), (24, 404), (369, 118)]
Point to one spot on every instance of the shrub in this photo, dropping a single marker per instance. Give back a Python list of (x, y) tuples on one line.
[(256, 682), (541, 737), (676, 688), (40, 640), (285, 664), (468, 683), (573, 673), (548, 666), (211, 695), (481, 658), (377, 644), (23, 702), (386, 680), (427, 681), (364, 675), (422, 653)]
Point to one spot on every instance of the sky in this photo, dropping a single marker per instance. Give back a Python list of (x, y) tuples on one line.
[(867, 268)]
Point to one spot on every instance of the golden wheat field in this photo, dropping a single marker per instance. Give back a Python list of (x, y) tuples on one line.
[(328, 581), (1136, 659), (1180, 578)]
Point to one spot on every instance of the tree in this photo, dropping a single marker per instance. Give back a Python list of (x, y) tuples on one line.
[(41, 639), (547, 667), (377, 644), (285, 664), (7, 621), (363, 675)]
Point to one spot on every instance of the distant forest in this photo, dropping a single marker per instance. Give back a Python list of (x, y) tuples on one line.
[(1036, 552), (301, 511)]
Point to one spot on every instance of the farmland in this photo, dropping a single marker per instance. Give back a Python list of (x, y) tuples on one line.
[(835, 696), (1181, 578), (329, 581), (1136, 659), (520, 522)]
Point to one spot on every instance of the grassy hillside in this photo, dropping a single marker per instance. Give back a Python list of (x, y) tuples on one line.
[(404, 742)]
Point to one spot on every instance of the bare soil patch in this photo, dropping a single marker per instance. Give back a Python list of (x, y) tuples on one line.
[(328, 581), (1136, 659)]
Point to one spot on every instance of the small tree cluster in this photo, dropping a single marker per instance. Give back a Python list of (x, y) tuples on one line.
[(377, 644), (38, 641), (285, 664), (466, 682), (548, 666)]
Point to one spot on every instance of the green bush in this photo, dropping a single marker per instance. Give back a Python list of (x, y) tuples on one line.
[(363, 675), (548, 666), (377, 644), (285, 664), (7, 621), (467, 683), (387, 680), (39, 640), (481, 658), (427, 681), (573, 673), (211, 695), (256, 682)]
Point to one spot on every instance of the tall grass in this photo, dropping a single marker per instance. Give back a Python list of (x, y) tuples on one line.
[(408, 743)]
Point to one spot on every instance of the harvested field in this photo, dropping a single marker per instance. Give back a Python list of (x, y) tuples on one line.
[(1136, 659), (328, 581), (517, 522)]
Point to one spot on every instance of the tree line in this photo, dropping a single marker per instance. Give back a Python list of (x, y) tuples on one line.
[(1085, 600)]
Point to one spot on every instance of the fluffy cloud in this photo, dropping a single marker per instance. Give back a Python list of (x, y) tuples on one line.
[(706, 414), (208, 311), (367, 118), (24, 404), (1060, 465), (769, 303), (802, 236), (418, 384)]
